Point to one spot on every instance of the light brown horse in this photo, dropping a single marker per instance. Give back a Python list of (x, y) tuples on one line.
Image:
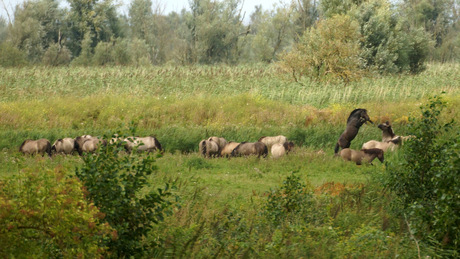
[(387, 131), (360, 156), (221, 142), (250, 148), (147, 144), (390, 145), (32, 147), (79, 143), (270, 141), (209, 148), (65, 146), (227, 150), (279, 150), (90, 145)]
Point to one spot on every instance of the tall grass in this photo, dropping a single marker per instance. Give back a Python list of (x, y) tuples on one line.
[(41, 83)]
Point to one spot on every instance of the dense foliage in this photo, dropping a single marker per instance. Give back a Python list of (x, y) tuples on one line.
[(45, 214), (426, 181), (395, 36), (114, 181)]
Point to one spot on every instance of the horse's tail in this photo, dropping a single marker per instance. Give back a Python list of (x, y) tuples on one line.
[(48, 148), (158, 145), (203, 147), (336, 150)]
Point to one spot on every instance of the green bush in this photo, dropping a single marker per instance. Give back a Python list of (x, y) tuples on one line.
[(426, 181), (11, 56), (292, 198), (56, 55), (330, 50), (43, 214), (114, 181)]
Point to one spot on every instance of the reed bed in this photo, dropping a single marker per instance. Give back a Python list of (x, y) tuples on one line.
[(267, 81)]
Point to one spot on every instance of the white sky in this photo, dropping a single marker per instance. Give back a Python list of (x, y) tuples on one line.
[(169, 6)]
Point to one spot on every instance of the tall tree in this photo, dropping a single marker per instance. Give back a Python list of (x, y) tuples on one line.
[(36, 26), (141, 19), (275, 31), (215, 28), (307, 14), (99, 19)]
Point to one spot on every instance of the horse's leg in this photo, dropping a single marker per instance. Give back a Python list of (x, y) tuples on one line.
[(336, 150)]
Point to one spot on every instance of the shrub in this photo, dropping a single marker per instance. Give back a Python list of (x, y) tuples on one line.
[(103, 54), (426, 181), (56, 55), (44, 214), (327, 51), (114, 182), (293, 197), (10, 56)]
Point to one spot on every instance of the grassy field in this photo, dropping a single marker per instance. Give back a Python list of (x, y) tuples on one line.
[(182, 105)]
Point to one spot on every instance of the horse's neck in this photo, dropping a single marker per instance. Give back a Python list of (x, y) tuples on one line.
[(387, 135)]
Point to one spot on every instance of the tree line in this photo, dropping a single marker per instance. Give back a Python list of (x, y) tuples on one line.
[(382, 35)]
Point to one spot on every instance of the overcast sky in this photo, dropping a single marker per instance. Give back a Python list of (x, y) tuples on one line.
[(169, 6)]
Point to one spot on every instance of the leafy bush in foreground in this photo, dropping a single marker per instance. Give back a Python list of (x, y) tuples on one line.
[(426, 181), (45, 215), (114, 181)]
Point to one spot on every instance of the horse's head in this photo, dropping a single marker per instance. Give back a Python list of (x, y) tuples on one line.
[(359, 115), (288, 146), (386, 127)]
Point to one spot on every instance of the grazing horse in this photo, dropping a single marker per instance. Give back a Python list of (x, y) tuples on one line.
[(270, 141), (209, 148), (90, 145), (65, 146), (250, 148), (40, 146), (279, 150), (388, 145), (221, 142), (227, 150), (363, 155), (79, 143), (356, 119), (148, 144)]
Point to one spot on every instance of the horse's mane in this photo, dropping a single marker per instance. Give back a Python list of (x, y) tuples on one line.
[(203, 145), (354, 112), (261, 138)]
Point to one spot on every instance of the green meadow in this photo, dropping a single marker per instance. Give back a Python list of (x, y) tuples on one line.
[(221, 210)]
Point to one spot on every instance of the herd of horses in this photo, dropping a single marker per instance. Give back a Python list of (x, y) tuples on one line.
[(211, 147)]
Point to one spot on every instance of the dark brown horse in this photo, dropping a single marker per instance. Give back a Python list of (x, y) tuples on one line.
[(251, 148), (356, 119)]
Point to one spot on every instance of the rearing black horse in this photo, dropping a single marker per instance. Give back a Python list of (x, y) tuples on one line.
[(356, 119)]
